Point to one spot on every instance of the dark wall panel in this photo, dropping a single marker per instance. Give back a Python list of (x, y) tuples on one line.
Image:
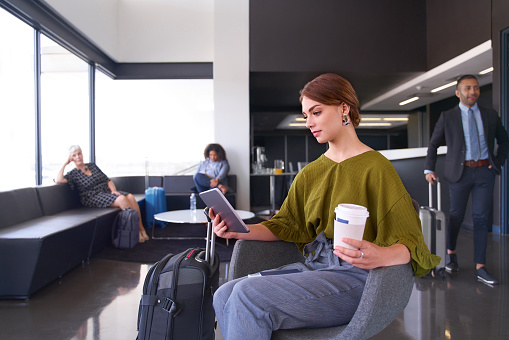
[(367, 36), (295, 151), (500, 21), (456, 26)]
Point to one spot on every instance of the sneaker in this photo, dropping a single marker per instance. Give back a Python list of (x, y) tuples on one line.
[(485, 276), (452, 266)]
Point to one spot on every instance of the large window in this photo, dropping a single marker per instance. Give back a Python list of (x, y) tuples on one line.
[(17, 117), (64, 107), (164, 124), (159, 126)]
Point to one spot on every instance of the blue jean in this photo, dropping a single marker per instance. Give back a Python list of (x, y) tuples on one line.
[(202, 182), (479, 182), (319, 296)]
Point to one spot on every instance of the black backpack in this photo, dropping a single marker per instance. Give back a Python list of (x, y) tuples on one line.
[(177, 298), (125, 232), (177, 295)]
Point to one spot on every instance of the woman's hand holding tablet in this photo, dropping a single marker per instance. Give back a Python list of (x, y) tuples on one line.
[(215, 200)]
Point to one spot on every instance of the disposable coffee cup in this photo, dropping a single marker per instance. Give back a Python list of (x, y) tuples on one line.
[(349, 222)]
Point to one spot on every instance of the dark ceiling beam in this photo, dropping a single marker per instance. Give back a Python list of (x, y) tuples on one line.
[(164, 71), (342, 36)]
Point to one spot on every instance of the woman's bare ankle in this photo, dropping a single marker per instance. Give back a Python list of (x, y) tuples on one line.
[(223, 188)]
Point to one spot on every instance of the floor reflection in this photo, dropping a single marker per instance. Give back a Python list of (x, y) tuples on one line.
[(458, 306), (100, 300), (94, 301)]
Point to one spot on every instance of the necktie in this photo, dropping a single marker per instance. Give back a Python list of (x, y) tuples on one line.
[(475, 149)]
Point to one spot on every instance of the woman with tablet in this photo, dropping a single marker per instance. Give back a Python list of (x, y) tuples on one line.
[(328, 287)]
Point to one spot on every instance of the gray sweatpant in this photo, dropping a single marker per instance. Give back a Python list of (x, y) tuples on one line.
[(325, 293)]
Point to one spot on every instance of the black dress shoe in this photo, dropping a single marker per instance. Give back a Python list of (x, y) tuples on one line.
[(485, 276), (452, 266)]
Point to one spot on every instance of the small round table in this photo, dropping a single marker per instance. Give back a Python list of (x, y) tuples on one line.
[(189, 216)]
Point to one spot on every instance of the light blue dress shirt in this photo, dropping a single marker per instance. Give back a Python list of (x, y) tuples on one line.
[(480, 131), (466, 132)]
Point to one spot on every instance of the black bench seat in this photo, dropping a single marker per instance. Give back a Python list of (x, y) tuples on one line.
[(45, 231)]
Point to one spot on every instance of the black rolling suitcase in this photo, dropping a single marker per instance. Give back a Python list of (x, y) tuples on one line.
[(177, 295), (433, 223)]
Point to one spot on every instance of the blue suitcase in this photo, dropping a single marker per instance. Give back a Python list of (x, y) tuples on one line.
[(155, 203)]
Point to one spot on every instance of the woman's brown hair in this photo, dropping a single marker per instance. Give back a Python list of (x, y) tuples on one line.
[(332, 89)]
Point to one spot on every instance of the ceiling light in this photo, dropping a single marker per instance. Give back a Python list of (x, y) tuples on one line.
[(375, 124), (408, 101), (297, 124), (396, 119), (443, 87), (488, 70), (300, 119), (371, 119)]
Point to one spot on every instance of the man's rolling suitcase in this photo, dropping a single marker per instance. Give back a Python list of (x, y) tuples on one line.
[(177, 295), (155, 203), (433, 223)]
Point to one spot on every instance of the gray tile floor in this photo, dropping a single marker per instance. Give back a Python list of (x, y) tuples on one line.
[(100, 301)]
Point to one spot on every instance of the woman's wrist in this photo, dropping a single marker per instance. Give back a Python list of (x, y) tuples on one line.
[(400, 255)]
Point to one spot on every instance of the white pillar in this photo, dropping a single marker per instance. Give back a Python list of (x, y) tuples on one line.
[(231, 89)]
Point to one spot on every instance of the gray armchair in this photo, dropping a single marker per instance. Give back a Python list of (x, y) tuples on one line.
[(385, 295)]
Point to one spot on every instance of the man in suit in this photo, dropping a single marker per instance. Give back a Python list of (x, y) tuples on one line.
[(469, 131)]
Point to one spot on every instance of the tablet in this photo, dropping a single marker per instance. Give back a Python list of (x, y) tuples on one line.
[(215, 200)]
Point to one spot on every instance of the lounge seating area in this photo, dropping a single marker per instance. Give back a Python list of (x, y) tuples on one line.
[(45, 231)]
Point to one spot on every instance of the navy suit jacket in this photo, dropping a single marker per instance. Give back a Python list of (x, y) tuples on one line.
[(449, 131)]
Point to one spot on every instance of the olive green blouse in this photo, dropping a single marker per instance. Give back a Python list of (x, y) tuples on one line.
[(368, 179)]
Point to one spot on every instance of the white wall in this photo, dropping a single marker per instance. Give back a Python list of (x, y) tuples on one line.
[(145, 30), (96, 19), (166, 31), (231, 90)]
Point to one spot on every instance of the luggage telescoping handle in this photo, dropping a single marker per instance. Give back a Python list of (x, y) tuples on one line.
[(210, 247), (439, 195)]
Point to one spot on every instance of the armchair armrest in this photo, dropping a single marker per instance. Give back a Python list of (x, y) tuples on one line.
[(385, 296), (250, 257)]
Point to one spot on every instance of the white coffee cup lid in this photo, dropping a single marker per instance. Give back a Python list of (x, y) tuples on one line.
[(352, 210)]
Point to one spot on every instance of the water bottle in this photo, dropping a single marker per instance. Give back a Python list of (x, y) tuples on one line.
[(192, 201)]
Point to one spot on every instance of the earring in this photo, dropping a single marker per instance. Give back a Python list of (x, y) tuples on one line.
[(346, 120)]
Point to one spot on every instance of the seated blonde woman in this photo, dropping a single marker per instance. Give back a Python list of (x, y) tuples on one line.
[(95, 188)]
